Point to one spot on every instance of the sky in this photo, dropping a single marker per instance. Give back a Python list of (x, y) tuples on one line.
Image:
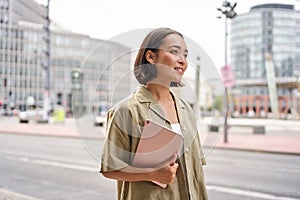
[(196, 19)]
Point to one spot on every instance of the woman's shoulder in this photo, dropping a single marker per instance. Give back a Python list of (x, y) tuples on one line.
[(126, 104), (126, 110)]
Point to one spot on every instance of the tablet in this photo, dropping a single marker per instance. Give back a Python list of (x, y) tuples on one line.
[(156, 146)]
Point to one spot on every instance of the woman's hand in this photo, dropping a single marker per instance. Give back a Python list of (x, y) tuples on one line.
[(166, 173)]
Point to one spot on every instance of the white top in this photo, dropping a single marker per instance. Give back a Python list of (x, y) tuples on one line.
[(176, 128)]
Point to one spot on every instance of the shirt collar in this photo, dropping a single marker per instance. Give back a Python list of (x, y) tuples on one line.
[(145, 96)]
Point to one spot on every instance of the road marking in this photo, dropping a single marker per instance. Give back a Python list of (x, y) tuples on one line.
[(54, 164), (228, 190), (257, 165), (39, 155), (5, 194), (247, 193)]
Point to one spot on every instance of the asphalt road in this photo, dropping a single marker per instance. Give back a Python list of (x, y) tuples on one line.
[(252, 175), (33, 167)]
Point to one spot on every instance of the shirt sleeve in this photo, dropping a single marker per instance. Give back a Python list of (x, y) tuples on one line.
[(116, 152)]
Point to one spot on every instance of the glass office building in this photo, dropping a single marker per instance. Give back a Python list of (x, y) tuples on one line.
[(23, 53), (268, 29)]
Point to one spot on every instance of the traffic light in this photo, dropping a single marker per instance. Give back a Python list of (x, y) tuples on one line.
[(77, 92), (77, 79)]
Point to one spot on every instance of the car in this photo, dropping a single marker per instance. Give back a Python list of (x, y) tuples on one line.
[(100, 120), (32, 114)]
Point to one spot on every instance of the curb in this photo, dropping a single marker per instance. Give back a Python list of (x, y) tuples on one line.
[(254, 150), (49, 135), (103, 138)]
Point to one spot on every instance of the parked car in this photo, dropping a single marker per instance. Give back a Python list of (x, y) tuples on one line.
[(100, 115), (100, 120), (32, 114)]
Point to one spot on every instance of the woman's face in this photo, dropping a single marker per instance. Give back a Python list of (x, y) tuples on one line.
[(170, 59)]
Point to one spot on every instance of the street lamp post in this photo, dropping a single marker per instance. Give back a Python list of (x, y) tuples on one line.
[(46, 66), (298, 96), (197, 83), (228, 11)]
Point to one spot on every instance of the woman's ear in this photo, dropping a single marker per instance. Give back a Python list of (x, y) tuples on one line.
[(150, 56)]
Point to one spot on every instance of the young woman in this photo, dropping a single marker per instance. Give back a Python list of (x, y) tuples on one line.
[(159, 65)]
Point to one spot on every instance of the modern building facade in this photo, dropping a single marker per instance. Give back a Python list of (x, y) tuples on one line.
[(23, 53), (267, 31)]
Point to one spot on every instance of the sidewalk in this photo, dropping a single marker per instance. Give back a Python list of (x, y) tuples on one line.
[(70, 128), (260, 143), (280, 137)]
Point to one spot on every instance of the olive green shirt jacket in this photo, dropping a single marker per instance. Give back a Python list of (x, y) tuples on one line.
[(125, 123)]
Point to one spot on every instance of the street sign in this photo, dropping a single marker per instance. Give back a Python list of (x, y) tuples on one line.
[(227, 76)]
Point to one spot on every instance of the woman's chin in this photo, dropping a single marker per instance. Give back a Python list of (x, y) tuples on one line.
[(177, 79)]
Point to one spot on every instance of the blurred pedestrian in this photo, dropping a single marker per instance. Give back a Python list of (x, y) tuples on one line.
[(160, 64)]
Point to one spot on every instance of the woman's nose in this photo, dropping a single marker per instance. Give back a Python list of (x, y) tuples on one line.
[(182, 59)]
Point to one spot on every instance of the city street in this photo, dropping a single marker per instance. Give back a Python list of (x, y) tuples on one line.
[(51, 168), (252, 175), (34, 167), (62, 72)]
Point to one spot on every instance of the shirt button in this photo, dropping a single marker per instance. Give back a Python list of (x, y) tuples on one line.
[(187, 150)]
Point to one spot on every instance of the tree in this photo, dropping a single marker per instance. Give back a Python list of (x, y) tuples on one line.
[(218, 103)]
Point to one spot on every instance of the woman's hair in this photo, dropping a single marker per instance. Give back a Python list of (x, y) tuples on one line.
[(143, 70)]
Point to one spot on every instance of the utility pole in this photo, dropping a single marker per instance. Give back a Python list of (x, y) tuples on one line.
[(228, 11), (197, 82)]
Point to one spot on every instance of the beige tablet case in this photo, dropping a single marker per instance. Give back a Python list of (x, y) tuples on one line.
[(156, 146)]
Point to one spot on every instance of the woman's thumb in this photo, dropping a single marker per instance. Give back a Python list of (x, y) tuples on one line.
[(173, 159)]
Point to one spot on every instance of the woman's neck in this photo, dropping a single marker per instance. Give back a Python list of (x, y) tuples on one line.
[(160, 92)]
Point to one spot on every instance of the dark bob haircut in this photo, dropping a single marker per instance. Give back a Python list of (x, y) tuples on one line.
[(143, 70)]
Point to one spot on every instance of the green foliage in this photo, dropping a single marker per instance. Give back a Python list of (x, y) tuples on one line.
[(218, 103)]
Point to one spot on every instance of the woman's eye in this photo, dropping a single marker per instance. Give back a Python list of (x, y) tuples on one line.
[(175, 52)]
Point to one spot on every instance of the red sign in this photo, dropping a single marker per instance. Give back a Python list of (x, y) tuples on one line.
[(227, 76)]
